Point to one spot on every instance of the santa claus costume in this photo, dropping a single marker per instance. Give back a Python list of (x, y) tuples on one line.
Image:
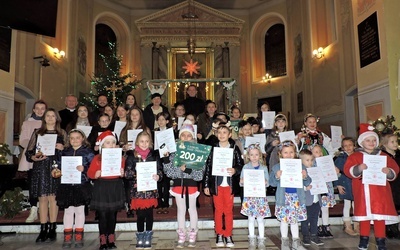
[(372, 203)]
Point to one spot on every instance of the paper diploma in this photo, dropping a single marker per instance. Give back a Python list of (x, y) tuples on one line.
[(47, 144), (118, 128), (318, 184), (222, 159), (292, 176), (69, 173), (336, 133), (373, 175), (263, 140), (144, 176), (85, 129), (327, 167), (132, 135), (253, 183), (165, 137), (252, 140), (111, 159), (180, 122), (287, 136), (268, 119)]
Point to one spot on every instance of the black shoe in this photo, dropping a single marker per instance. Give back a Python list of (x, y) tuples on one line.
[(229, 241), (52, 234), (321, 232), (219, 242), (306, 241), (316, 240), (43, 233), (363, 245), (381, 244), (327, 231)]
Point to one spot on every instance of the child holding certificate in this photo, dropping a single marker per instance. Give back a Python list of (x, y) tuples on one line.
[(220, 187), (344, 186), (43, 186), (244, 131), (328, 199), (184, 189), (309, 227), (290, 205), (371, 202), (73, 197), (143, 201), (108, 192), (272, 141), (255, 207)]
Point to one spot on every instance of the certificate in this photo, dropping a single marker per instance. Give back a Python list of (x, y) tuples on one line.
[(263, 140), (166, 138), (118, 128), (46, 144), (336, 134), (318, 184), (85, 129), (292, 176), (144, 176), (327, 167), (287, 136), (253, 183), (69, 173), (373, 175), (180, 122), (132, 135), (111, 159), (252, 140), (370, 177), (194, 155), (268, 119), (375, 162), (222, 160)]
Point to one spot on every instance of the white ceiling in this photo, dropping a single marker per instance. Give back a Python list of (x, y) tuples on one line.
[(161, 4)]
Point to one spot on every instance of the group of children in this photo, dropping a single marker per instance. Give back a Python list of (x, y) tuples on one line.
[(293, 205)]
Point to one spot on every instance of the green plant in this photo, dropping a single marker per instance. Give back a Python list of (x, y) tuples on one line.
[(10, 203), (4, 151)]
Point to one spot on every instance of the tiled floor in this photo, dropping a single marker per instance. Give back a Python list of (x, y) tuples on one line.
[(166, 240)]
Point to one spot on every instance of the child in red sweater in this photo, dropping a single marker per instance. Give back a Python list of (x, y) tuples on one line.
[(108, 193)]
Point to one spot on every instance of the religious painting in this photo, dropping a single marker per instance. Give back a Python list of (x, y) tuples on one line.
[(374, 111), (298, 56), (82, 56)]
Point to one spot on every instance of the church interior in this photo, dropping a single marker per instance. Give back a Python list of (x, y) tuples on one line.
[(336, 59)]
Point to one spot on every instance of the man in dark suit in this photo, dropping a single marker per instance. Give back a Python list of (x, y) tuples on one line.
[(67, 114), (193, 104)]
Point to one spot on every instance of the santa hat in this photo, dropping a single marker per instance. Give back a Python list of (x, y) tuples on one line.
[(366, 130), (187, 126), (103, 136)]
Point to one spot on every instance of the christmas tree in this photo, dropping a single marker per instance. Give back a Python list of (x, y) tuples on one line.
[(111, 83), (4, 151)]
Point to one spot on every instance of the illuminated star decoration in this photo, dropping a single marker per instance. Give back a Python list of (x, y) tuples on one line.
[(191, 67)]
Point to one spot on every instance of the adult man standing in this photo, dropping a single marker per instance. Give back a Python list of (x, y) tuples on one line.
[(67, 114), (101, 103), (193, 104)]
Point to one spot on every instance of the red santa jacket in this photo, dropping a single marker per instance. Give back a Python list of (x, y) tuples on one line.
[(371, 202)]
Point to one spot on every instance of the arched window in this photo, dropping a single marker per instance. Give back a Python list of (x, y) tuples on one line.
[(275, 55), (104, 35)]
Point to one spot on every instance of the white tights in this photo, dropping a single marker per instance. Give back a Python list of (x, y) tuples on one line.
[(294, 229), (181, 210), (69, 217), (324, 216), (346, 209), (260, 223)]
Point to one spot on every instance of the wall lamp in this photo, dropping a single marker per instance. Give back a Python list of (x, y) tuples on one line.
[(59, 54), (318, 53), (267, 78), (44, 62)]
